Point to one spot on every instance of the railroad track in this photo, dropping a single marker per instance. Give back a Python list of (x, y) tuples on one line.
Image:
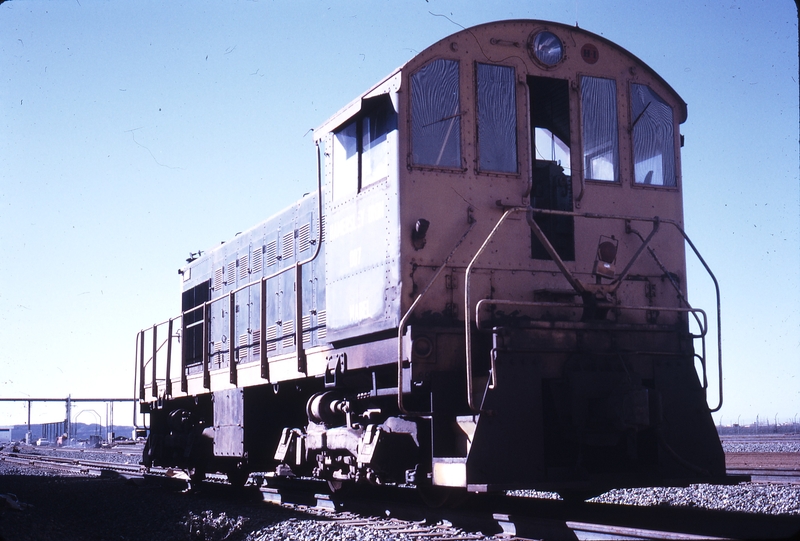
[(398, 512), (99, 468), (790, 476), (94, 468), (766, 458), (531, 518)]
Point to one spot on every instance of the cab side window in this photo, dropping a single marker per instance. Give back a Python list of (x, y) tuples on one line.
[(362, 148), (600, 133), (497, 119), (436, 115), (345, 162), (653, 138), (376, 127)]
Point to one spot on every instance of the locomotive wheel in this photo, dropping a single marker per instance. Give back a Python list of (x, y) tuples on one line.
[(337, 486), (237, 474), (237, 477), (147, 459), (197, 476)]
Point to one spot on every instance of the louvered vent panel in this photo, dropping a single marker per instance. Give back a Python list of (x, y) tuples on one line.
[(258, 257), (288, 333), (218, 279), (272, 252), (324, 226), (306, 327), (287, 250), (221, 356), (231, 277), (243, 270), (243, 349), (322, 322), (257, 344), (272, 334), (304, 238)]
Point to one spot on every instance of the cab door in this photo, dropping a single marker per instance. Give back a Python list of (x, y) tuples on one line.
[(552, 174)]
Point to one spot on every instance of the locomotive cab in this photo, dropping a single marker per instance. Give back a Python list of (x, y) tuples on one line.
[(486, 292)]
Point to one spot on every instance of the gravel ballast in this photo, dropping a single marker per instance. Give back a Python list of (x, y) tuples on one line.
[(71, 507)]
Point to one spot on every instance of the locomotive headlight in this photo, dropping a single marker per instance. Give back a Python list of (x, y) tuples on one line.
[(547, 48)]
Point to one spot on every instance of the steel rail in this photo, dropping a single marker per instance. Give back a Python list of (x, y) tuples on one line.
[(99, 468), (497, 516), (789, 476), (399, 511), (86, 467)]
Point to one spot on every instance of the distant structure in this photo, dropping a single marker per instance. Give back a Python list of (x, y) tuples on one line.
[(5, 434)]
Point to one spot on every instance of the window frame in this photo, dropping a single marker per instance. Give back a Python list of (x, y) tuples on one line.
[(411, 119), (477, 119), (369, 110), (619, 139), (675, 141)]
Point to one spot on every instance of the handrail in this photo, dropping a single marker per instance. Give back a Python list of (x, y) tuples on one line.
[(205, 306), (664, 269), (143, 363), (694, 311), (582, 289), (680, 230), (467, 328), (703, 326), (168, 383), (401, 327), (233, 375), (542, 238), (719, 312), (229, 297), (154, 383)]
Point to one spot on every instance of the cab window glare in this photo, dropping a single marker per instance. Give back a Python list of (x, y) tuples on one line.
[(362, 149), (653, 138), (497, 119), (376, 144), (436, 115), (600, 133), (345, 162), (550, 147)]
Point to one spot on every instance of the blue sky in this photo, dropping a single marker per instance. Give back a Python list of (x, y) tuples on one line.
[(133, 133)]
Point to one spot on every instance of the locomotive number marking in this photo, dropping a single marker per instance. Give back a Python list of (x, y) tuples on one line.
[(352, 222), (590, 54)]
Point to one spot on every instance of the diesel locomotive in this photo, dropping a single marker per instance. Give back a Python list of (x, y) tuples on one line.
[(487, 290)]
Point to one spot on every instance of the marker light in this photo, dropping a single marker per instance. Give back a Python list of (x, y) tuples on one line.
[(606, 257)]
